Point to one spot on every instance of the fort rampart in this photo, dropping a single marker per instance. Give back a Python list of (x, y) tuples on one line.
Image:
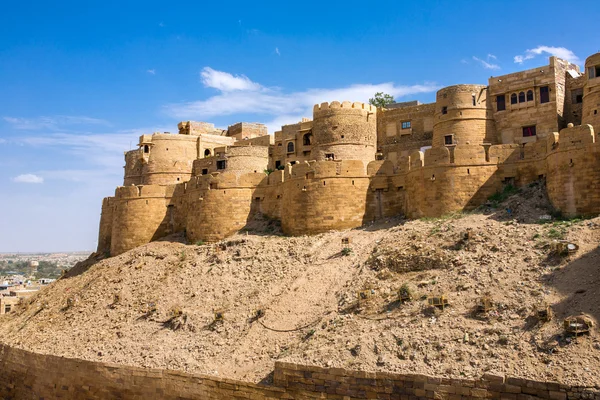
[(354, 163), (27, 375)]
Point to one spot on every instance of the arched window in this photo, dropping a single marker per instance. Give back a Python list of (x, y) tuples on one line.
[(522, 97), (290, 147), (306, 139), (146, 149), (530, 95), (513, 98), (207, 153)]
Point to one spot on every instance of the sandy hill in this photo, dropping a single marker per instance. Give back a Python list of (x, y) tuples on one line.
[(295, 299)]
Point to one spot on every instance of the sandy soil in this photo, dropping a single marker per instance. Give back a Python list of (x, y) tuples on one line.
[(295, 299)]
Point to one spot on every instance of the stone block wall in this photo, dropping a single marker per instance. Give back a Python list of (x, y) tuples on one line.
[(139, 216), (27, 375), (394, 141), (348, 131), (106, 221), (573, 177), (169, 159)]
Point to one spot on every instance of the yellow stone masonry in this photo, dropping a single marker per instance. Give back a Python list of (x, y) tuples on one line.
[(353, 163)]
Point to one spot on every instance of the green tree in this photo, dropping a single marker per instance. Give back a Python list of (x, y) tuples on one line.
[(381, 100)]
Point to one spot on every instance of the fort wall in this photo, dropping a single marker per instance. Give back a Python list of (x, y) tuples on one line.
[(572, 178), (27, 375), (169, 159), (106, 221), (591, 92), (238, 159), (133, 168), (348, 131), (140, 216), (401, 131), (245, 130), (324, 195), (463, 116), (325, 174)]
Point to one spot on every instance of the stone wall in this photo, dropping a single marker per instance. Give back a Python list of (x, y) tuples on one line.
[(348, 131), (591, 93), (27, 375), (106, 221), (546, 117), (133, 167), (572, 178), (246, 130), (169, 159), (324, 195), (140, 216), (464, 113), (396, 139)]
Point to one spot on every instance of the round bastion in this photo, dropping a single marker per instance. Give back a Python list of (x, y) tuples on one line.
[(344, 131), (463, 115), (591, 92)]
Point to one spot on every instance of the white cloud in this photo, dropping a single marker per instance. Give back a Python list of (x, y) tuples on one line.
[(28, 178), (151, 71), (226, 82), (239, 95), (53, 123), (3, 141), (560, 52), (161, 24), (277, 51), (485, 64), (102, 149), (491, 57)]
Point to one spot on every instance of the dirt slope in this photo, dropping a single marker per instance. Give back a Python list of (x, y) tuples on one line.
[(155, 305)]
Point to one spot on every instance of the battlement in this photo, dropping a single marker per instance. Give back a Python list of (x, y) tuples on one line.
[(345, 105)]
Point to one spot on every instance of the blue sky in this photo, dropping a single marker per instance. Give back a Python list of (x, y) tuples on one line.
[(80, 81)]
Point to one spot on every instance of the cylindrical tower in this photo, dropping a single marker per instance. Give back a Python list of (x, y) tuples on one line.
[(463, 115), (140, 215), (170, 159), (591, 92), (344, 131), (133, 168)]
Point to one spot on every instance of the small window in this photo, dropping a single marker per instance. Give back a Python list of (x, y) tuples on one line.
[(221, 164), (448, 139), (530, 95), (522, 97), (330, 156), (406, 125), (544, 94), (279, 144), (207, 153), (277, 164), (146, 149), (474, 100), (290, 147), (501, 103), (513, 98), (205, 171), (306, 139), (444, 110), (577, 96), (529, 131), (597, 71)]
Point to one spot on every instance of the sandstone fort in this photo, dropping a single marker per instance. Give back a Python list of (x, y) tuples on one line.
[(353, 163)]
